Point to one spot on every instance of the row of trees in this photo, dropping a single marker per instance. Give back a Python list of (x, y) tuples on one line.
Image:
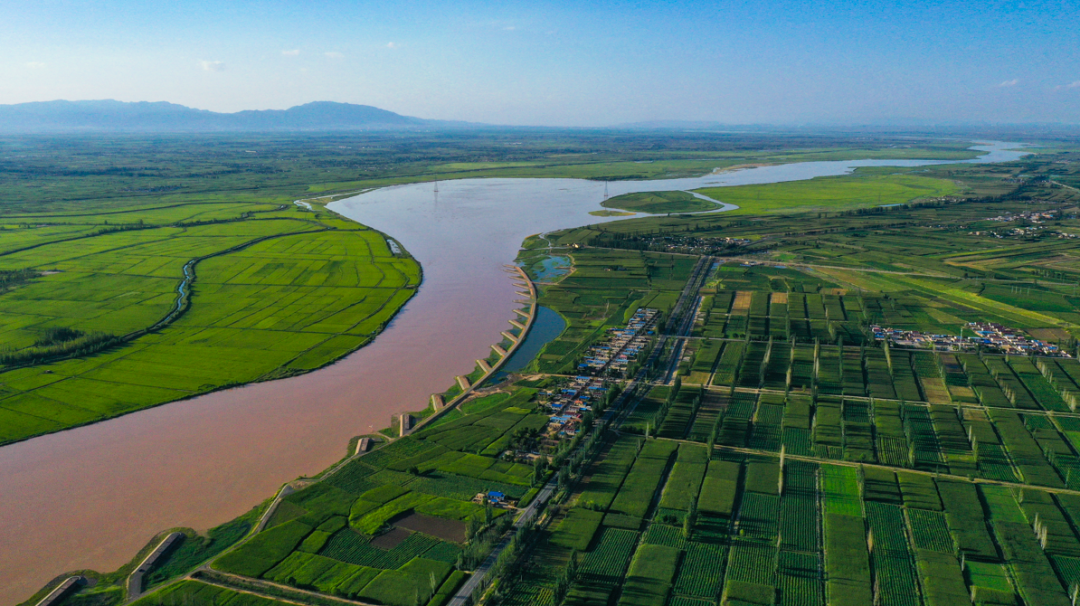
[(11, 278), (48, 349)]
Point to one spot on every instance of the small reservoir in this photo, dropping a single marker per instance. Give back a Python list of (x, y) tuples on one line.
[(547, 326), (552, 268)]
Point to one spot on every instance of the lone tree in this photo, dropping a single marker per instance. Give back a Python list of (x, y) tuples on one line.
[(690, 520)]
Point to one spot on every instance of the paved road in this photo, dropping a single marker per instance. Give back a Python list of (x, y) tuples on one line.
[(687, 298), (685, 312), (463, 594), (273, 591)]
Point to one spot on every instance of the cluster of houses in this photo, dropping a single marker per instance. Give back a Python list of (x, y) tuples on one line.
[(568, 403), (988, 335), (1018, 232), (1030, 215), (1012, 340), (689, 245), (1035, 218), (612, 356), (495, 498), (574, 396), (1008, 233), (915, 338), (696, 245)]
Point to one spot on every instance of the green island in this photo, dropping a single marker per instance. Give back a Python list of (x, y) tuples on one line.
[(782, 405), (660, 202)]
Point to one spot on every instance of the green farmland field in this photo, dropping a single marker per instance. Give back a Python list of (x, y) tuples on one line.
[(799, 459), (845, 471), (277, 291), (830, 194)]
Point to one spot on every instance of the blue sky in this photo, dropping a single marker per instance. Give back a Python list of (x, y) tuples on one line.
[(560, 63)]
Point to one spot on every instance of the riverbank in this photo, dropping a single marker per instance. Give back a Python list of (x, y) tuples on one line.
[(494, 369), (462, 239)]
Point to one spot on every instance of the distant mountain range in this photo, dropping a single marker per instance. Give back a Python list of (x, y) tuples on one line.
[(146, 117), (328, 116)]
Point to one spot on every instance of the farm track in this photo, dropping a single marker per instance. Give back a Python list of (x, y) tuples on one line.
[(825, 461), (254, 593), (921, 403), (241, 581), (684, 315), (616, 415), (842, 268)]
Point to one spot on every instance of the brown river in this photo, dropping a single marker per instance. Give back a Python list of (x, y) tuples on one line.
[(91, 497)]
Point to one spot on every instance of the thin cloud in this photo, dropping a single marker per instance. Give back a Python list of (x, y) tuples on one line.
[(334, 55), (1071, 85), (36, 65), (291, 53), (501, 25), (213, 66), (392, 45), (1009, 83)]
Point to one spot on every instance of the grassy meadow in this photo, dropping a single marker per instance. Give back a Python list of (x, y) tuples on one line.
[(831, 194)]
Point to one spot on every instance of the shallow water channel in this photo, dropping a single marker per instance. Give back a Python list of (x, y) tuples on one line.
[(546, 327), (92, 496)]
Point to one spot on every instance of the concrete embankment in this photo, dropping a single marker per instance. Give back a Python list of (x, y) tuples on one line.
[(404, 423), (61, 591), (504, 354), (135, 581), (285, 491), (362, 445)]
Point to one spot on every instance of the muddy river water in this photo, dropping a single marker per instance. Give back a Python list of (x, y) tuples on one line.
[(92, 496)]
